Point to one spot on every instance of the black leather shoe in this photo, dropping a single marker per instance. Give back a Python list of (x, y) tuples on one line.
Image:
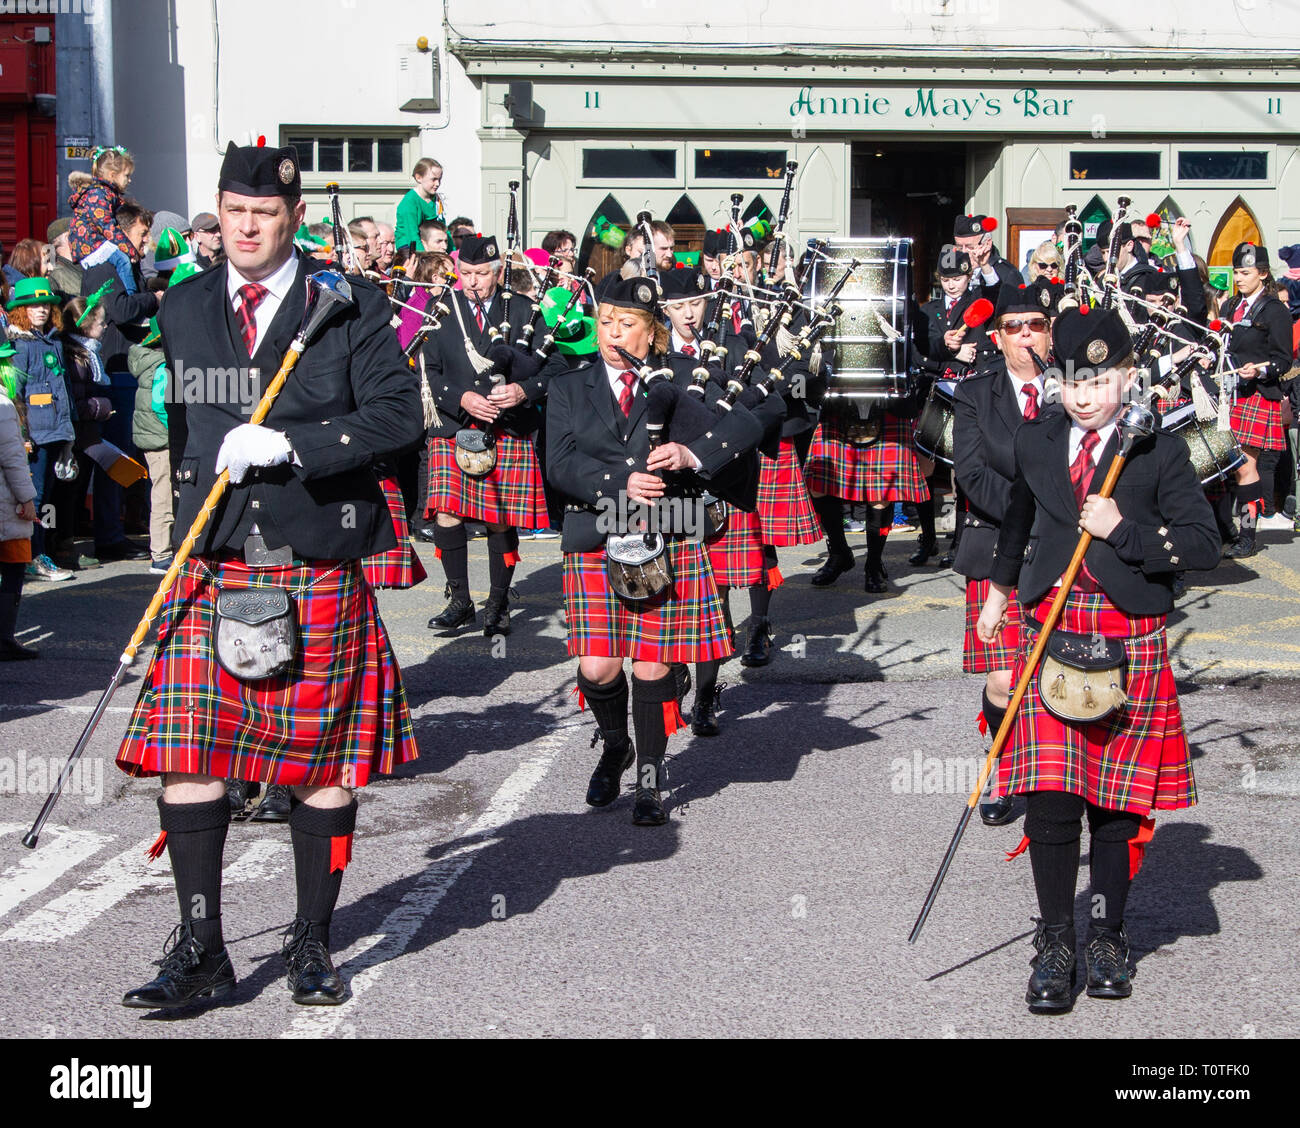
[(998, 812), (759, 650), (1109, 973), (424, 533), (238, 793), (924, 550), (496, 618), (1051, 987), (649, 808), (188, 975), (607, 779), (1244, 546), (312, 977), (705, 720), (274, 806), (874, 580), (456, 614), (122, 550), (832, 570), (947, 560)]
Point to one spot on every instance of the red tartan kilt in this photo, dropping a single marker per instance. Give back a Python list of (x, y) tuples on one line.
[(1257, 423), (977, 656), (337, 716), (885, 471), (399, 567), (511, 495), (685, 624), (1137, 759), (785, 510), (736, 557)]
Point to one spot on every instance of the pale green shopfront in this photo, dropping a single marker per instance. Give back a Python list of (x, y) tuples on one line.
[(888, 150)]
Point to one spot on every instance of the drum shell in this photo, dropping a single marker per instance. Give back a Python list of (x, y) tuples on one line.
[(1215, 454), (934, 427)]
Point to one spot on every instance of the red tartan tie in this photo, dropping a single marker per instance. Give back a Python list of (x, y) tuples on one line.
[(1239, 313), (1030, 392), (735, 316), (478, 316), (251, 297), (1081, 477), (689, 350), (626, 397)]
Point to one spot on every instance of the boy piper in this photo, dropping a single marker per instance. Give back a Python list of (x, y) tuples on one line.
[(303, 509), (1133, 759)]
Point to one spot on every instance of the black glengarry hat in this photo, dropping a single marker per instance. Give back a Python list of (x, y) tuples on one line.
[(967, 225), (261, 172), (631, 293), (1088, 340), (682, 283), (1249, 254), (478, 250), (1037, 297), (953, 262)]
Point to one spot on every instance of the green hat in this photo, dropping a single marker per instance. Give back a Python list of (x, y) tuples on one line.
[(32, 291), (93, 300), (553, 304), (304, 240), (7, 349), (171, 251), (155, 334), (609, 234), (182, 272), (579, 339)]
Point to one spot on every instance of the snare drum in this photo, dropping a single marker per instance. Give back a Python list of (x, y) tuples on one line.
[(933, 437), (1215, 454), (867, 347)]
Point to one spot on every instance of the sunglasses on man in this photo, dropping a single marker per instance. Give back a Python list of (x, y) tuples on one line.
[(1035, 324)]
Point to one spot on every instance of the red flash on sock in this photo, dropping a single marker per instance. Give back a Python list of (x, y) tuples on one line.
[(437, 554), (156, 850), (774, 579), (582, 701), (512, 560), (673, 719), (1024, 845), (340, 853), (1137, 847)]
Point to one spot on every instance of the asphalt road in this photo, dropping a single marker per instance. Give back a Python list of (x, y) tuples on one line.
[(485, 900)]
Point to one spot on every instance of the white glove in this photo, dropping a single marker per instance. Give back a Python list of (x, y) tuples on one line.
[(249, 446)]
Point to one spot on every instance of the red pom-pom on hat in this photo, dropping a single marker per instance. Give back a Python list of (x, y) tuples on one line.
[(1154, 220), (1216, 325), (261, 141), (988, 223), (1084, 310)]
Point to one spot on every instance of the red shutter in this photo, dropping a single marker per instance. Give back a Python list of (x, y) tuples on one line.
[(42, 172), (9, 175)]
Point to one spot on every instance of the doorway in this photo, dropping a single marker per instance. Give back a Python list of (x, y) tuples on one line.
[(908, 189)]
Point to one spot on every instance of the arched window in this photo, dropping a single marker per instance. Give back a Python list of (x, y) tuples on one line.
[(1237, 225), (602, 242)]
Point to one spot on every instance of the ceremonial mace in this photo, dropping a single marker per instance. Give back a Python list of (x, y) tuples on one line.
[(1136, 423), (327, 293)]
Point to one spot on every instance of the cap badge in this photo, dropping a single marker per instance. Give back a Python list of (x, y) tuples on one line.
[(490, 250), (287, 171), (1096, 351), (1248, 259), (644, 294), (1045, 298)]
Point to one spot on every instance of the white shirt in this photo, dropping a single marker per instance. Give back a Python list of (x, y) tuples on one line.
[(1076, 441), (1022, 401), (277, 287), (615, 378), (679, 344)]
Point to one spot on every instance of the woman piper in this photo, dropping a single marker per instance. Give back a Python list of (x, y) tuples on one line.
[(599, 457), (1261, 346)]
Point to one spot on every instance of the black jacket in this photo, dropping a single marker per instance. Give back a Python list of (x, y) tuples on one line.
[(986, 421), (451, 374), (591, 450), (932, 322), (1167, 524), (350, 401), (128, 314), (1263, 336)]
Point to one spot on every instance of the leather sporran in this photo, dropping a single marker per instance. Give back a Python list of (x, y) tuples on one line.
[(637, 566), (862, 432), (1082, 677), (255, 632), (715, 516), (476, 452)]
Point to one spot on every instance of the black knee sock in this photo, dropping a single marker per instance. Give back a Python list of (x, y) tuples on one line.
[(503, 555), (322, 848), (608, 703), (452, 544), (1267, 463), (196, 840), (831, 515), (1223, 516), (706, 679), (651, 725), (1111, 832), (1056, 871), (993, 714), (760, 600), (925, 516), (1250, 501), (877, 523)]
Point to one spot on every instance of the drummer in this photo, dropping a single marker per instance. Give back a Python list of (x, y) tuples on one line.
[(991, 406), (945, 350)]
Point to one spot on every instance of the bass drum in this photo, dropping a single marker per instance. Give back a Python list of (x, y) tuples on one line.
[(933, 436), (868, 346), (1215, 454)]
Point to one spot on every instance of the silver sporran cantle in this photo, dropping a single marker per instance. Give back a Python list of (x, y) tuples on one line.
[(255, 632), (637, 566)]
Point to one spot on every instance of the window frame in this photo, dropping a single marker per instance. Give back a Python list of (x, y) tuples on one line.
[(1267, 148), (676, 181), (315, 180), (1161, 182)]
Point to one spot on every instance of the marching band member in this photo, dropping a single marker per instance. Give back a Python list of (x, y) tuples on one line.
[(1261, 347), (991, 407), (989, 270), (461, 375), (303, 510), (599, 457), (1134, 759)]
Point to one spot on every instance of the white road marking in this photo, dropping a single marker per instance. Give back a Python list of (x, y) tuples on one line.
[(117, 878), (372, 955), (61, 850)]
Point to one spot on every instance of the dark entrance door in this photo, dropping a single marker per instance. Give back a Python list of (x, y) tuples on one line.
[(908, 189)]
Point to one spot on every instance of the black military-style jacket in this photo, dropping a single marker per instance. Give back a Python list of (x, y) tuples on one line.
[(592, 450), (1263, 336), (350, 401), (1167, 524), (934, 357), (451, 374)]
